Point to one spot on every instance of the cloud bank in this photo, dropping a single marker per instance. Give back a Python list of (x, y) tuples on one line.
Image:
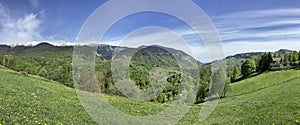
[(245, 31), (17, 30)]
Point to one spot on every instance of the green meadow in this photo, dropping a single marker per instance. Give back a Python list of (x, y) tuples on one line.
[(269, 98), (266, 99)]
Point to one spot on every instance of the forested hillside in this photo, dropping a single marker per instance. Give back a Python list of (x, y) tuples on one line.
[(55, 63), (270, 98)]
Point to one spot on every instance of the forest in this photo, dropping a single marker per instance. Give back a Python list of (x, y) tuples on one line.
[(57, 66)]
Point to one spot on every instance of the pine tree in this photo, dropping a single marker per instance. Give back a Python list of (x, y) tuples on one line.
[(2, 60), (265, 62), (299, 58), (299, 55), (269, 59)]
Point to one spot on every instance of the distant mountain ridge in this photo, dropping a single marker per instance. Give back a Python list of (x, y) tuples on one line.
[(39, 48), (238, 59), (252, 54), (149, 54), (245, 55), (107, 51)]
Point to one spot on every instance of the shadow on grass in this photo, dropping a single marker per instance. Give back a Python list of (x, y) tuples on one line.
[(296, 68), (247, 77), (258, 73)]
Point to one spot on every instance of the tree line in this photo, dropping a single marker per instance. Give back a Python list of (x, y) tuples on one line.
[(58, 67), (265, 62), (54, 67)]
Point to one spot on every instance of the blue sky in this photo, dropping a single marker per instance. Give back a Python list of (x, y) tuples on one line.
[(243, 26)]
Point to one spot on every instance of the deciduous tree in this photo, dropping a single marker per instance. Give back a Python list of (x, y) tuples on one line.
[(220, 83), (294, 57), (248, 67), (287, 59), (236, 73)]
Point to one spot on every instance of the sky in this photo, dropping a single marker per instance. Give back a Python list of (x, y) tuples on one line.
[(242, 25)]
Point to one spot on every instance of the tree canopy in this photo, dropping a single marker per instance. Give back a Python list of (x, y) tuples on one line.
[(236, 73), (248, 67), (264, 62)]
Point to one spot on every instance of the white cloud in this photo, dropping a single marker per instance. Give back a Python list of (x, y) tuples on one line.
[(267, 25), (260, 30), (246, 31), (16, 30)]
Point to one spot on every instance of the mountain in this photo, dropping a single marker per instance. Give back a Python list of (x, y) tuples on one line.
[(107, 52), (37, 49), (46, 47), (4, 49), (245, 55), (164, 54), (283, 51), (153, 55), (237, 59)]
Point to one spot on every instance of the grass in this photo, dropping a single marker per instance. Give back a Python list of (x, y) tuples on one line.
[(35, 100), (269, 98), (278, 104), (133, 107), (263, 81)]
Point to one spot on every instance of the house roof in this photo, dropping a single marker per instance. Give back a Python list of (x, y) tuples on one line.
[(276, 59)]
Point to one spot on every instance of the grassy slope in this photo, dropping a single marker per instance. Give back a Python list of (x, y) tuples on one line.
[(263, 81), (33, 100), (257, 100), (265, 99)]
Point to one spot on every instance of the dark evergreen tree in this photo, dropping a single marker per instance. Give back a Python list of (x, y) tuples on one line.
[(299, 55), (264, 62), (299, 58), (2, 60)]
